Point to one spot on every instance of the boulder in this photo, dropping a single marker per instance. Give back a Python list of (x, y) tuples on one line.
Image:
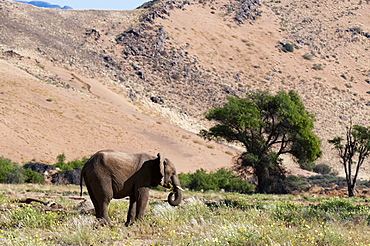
[(39, 167), (64, 178)]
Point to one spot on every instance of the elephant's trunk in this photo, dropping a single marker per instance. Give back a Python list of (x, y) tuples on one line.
[(177, 191)]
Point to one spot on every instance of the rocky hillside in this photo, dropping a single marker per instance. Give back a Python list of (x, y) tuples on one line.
[(77, 81)]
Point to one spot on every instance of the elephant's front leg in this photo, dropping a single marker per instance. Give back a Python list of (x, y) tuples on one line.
[(131, 214), (142, 201)]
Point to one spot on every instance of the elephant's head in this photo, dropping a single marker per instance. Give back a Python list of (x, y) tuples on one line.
[(170, 180)]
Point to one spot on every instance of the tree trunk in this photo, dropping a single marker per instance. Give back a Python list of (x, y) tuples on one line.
[(263, 177), (351, 190)]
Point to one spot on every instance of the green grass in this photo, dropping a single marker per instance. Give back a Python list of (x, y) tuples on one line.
[(202, 219)]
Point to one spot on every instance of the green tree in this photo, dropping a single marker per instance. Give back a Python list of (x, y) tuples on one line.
[(6, 167), (267, 126), (353, 153), (71, 165), (61, 159)]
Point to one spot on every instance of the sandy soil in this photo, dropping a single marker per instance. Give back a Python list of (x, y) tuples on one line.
[(39, 121)]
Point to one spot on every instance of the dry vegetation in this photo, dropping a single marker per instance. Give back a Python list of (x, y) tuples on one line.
[(202, 219)]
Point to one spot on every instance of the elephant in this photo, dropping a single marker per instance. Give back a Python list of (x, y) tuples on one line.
[(111, 174)]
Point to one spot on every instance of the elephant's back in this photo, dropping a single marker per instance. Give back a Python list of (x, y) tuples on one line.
[(112, 159), (124, 157)]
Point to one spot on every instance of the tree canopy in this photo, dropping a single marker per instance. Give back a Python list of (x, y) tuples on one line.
[(267, 126)]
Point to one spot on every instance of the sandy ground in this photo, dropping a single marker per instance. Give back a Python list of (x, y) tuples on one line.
[(39, 121)]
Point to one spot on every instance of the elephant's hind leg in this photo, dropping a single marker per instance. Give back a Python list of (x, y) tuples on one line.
[(102, 207), (105, 209), (94, 200), (100, 201)]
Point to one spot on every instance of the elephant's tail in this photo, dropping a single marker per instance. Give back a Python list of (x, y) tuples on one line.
[(81, 177)]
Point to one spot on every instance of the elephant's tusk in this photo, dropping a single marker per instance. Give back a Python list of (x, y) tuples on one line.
[(178, 187)]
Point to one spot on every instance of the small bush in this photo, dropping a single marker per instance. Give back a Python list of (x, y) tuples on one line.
[(16, 176), (199, 180), (287, 47), (327, 180), (307, 166), (33, 177), (295, 181), (317, 67), (336, 204), (221, 179), (322, 169), (12, 173), (308, 56), (176, 76), (229, 153)]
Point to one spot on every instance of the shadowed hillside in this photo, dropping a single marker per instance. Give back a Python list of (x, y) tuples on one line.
[(76, 81)]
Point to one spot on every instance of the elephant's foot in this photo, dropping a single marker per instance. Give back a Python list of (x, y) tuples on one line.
[(129, 223), (103, 222)]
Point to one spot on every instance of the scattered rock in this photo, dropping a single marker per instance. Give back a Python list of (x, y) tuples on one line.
[(12, 53), (157, 100), (247, 10), (85, 207), (110, 60), (93, 33)]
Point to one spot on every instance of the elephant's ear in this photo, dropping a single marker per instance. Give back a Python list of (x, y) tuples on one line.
[(161, 163)]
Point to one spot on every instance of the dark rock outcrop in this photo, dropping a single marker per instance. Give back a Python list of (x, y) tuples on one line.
[(39, 167), (64, 178)]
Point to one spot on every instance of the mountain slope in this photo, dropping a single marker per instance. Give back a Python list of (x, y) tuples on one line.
[(174, 61), (48, 110), (40, 121)]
